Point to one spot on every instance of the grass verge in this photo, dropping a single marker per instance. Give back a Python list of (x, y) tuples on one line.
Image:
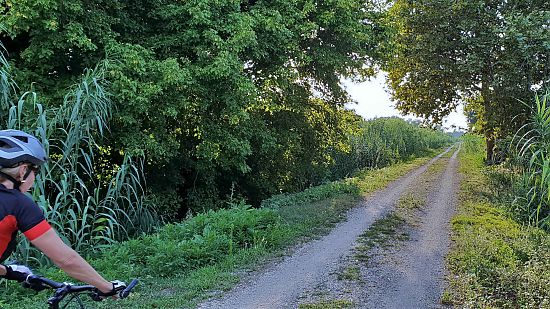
[(185, 263), (495, 262)]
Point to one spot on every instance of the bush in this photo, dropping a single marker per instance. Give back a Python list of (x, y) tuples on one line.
[(197, 242), (532, 157)]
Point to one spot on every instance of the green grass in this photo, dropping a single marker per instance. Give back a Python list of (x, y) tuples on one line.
[(410, 202), (384, 232), (495, 261), (332, 304), (350, 273), (186, 263)]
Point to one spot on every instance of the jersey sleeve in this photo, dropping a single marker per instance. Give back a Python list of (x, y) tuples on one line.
[(30, 219)]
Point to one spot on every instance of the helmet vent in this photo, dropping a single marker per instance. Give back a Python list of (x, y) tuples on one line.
[(9, 146), (24, 139), (3, 144)]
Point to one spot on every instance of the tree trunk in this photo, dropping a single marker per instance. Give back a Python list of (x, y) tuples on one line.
[(490, 141), (488, 114)]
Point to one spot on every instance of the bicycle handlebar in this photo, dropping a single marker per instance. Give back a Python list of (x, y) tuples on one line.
[(34, 281), (128, 289), (63, 289)]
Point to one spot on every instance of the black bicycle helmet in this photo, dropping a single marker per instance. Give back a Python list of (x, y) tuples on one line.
[(18, 147)]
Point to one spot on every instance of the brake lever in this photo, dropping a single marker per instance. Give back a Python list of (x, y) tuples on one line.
[(123, 294), (128, 289)]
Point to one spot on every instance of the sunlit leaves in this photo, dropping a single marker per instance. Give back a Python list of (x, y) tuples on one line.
[(91, 204)]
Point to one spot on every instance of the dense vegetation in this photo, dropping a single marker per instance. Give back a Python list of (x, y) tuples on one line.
[(530, 166), (491, 54), (498, 261), (154, 111), (91, 209), (98, 201), (220, 97)]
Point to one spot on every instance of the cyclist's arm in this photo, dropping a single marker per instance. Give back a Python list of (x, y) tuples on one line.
[(69, 260)]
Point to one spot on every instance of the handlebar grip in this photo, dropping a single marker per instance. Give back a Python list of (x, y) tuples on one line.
[(128, 289)]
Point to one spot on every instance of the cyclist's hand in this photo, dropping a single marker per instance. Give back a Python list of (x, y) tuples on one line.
[(36, 286), (118, 286), (17, 272)]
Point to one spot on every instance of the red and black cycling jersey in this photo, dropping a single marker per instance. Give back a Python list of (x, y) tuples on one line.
[(18, 212)]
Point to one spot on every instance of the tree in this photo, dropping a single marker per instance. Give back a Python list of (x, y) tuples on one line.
[(212, 93), (487, 53)]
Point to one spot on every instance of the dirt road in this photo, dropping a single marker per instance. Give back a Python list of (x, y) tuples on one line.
[(413, 273)]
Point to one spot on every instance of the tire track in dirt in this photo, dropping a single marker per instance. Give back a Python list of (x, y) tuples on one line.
[(280, 285), (413, 276)]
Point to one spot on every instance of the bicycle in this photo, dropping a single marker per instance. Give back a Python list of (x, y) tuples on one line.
[(64, 289)]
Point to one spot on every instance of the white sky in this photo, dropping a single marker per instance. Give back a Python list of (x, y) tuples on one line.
[(374, 101)]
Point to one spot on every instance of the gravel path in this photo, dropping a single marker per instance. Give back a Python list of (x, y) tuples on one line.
[(280, 285), (413, 275)]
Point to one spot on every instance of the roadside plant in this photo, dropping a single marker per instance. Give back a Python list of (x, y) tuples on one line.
[(90, 204), (532, 155)]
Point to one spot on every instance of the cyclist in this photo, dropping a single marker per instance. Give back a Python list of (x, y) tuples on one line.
[(21, 155)]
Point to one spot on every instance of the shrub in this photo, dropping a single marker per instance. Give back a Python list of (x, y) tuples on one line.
[(90, 202), (199, 241)]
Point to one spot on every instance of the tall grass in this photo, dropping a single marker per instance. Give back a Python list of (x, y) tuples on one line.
[(532, 156), (6, 85), (384, 141), (90, 206)]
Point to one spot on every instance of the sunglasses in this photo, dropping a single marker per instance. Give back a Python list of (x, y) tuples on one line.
[(32, 168)]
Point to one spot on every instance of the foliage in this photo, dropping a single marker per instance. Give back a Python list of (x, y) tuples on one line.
[(496, 261), (487, 53), (379, 143), (313, 194), (216, 95), (90, 205), (384, 141), (199, 241), (220, 243), (531, 146)]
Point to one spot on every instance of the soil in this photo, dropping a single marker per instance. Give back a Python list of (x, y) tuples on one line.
[(407, 275)]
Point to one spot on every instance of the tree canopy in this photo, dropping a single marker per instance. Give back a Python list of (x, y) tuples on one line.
[(490, 54), (208, 91)]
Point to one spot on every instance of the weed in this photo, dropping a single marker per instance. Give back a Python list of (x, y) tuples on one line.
[(332, 304), (383, 232), (410, 201), (446, 298), (351, 273)]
